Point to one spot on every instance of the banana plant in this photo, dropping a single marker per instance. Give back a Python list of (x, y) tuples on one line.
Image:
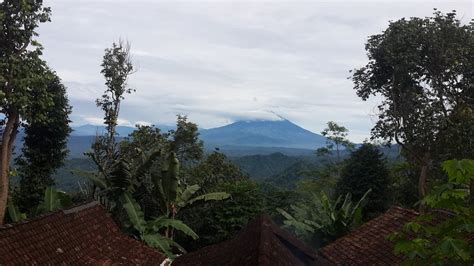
[(14, 212), (150, 231), (174, 197), (53, 200), (107, 185), (328, 219), (117, 185)]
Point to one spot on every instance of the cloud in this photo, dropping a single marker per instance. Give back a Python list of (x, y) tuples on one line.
[(93, 120), (219, 62)]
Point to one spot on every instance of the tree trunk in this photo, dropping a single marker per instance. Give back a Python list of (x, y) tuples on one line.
[(423, 178), (471, 195), (422, 181), (8, 138)]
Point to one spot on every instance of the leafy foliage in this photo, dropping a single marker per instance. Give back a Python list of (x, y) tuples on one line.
[(434, 239), (216, 168), (403, 187), (422, 67), (15, 214), (150, 231), (320, 220), (185, 141), (52, 200), (364, 170), (23, 74), (218, 221), (45, 146), (116, 67), (336, 140)]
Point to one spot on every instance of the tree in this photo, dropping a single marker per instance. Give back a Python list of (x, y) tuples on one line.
[(215, 169), (442, 238), (336, 140), (366, 169), (403, 186), (45, 146), (116, 68), (21, 71), (185, 141), (218, 221), (423, 69)]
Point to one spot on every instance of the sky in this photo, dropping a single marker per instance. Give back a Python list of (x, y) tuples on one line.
[(219, 61)]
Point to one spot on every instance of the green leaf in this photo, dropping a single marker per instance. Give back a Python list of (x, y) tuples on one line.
[(162, 243), (188, 193), (14, 212), (147, 164), (51, 201), (455, 246), (208, 197), (164, 221), (64, 199), (134, 212)]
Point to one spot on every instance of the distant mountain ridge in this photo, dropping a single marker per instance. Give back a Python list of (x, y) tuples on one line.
[(93, 130), (255, 133)]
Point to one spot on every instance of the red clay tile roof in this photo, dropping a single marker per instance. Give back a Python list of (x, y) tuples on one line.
[(261, 243), (367, 245), (78, 236)]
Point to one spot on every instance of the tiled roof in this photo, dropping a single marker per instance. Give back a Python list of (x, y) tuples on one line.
[(79, 236), (261, 243), (367, 245)]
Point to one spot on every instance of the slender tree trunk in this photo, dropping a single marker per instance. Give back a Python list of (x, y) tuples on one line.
[(8, 138), (423, 179), (471, 195)]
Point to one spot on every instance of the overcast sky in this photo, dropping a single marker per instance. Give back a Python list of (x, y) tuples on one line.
[(219, 62)]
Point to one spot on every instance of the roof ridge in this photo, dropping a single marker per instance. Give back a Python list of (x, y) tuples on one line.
[(73, 209), (261, 219), (79, 208)]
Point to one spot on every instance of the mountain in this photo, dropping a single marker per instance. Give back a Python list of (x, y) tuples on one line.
[(263, 133), (93, 130), (236, 139)]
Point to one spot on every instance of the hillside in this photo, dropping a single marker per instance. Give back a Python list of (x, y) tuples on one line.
[(260, 167)]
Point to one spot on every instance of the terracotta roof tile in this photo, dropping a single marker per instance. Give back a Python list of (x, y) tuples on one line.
[(367, 245), (85, 234), (261, 243)]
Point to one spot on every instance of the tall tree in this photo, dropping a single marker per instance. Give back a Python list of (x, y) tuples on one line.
[(116, 67), (45, 145), (21, 71), (336, 140), (364, 170), (423, 69)]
